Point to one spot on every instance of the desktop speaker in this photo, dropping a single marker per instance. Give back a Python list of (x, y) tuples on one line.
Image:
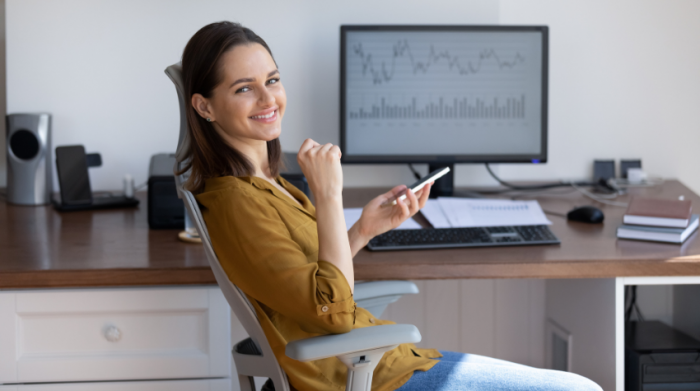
[(29, 173), (165, 209)]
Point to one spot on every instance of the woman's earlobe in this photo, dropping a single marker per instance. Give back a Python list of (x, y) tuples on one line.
[(199, 104)]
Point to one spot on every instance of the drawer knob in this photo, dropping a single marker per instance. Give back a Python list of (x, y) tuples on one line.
[(112, 333)]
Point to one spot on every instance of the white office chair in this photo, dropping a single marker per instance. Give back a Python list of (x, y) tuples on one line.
[(360, 350)]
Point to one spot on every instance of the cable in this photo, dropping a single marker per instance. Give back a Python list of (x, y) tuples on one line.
[(516, 187), (630, 299), (623, 183), (628, 306), (632, 306), (413, 170), (640, 317), (598, 198), (603, 199), (523, 193), (631, 293), (534, 187)]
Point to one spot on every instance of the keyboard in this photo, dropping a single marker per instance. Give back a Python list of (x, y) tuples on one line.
[(415, 239)]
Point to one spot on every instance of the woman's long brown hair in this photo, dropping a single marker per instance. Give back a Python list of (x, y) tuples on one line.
[(209, 156)]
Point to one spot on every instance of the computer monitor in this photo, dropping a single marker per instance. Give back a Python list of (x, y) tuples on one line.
[(443, 95)]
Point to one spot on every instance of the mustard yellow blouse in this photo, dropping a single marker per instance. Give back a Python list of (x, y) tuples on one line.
[(268, 246)]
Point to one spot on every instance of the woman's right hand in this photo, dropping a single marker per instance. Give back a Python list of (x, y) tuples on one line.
[(321, 166)]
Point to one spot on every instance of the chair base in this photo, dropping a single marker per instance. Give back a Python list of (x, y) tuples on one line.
[(361, 368)]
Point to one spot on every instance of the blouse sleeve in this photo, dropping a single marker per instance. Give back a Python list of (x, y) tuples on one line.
[(257, 252)]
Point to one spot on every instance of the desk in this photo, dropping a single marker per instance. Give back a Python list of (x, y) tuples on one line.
[(586, 250), (41, 248)]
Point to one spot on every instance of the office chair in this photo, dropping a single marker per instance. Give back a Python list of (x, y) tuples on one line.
[(360, 349)]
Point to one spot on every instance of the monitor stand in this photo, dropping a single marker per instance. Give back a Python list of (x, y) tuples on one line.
[(443, 187)]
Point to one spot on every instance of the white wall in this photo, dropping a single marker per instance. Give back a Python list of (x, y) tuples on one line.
[(624, 83), (624, 80), (97, 66)]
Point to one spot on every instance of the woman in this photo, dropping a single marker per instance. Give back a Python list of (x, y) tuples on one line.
[(294, 261)]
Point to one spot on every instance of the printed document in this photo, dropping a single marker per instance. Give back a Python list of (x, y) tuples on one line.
[(466, 212), (433, 212)]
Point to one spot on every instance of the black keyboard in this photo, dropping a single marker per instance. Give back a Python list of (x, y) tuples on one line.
[(410, 239)]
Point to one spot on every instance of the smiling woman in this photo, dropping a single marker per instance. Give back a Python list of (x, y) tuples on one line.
[(247, 108), (233, 102), (293, 260)]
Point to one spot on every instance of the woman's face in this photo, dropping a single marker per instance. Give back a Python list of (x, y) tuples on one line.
[(249, 102)]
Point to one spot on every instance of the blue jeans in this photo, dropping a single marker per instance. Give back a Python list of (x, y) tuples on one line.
[(462, 372)]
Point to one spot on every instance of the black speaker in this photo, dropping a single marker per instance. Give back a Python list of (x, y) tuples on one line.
[(165, 209), (29, 162)]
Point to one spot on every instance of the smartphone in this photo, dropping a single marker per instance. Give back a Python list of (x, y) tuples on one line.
[(73, 178), (435, 175)]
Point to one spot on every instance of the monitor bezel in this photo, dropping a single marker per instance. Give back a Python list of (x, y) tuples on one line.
[(446, 159)]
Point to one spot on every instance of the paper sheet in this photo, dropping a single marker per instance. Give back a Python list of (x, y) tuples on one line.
[(466, 212), (353, 214), (435, 215)]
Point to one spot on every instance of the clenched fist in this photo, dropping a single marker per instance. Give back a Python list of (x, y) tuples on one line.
[(321, 166)]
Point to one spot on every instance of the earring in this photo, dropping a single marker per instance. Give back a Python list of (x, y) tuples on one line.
[(208, 119)]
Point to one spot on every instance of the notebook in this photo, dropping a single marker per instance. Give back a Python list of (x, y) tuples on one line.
[(658, 212), (658, 234)]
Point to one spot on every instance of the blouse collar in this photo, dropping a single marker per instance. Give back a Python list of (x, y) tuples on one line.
[(262, 184)]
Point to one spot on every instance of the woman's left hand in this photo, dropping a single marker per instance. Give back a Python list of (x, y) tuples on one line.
[(378, 218)]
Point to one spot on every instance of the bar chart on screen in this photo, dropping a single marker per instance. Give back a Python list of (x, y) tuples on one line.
[(441, 108), (474, 90)]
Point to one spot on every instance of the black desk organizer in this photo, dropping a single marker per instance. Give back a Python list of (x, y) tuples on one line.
[(97, 202)]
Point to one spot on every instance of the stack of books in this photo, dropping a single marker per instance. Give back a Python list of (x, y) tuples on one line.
[(659, 220)]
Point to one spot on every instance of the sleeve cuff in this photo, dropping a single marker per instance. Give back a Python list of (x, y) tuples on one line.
[(347, 306)]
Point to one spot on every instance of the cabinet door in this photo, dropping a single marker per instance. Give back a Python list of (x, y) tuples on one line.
[(173, 385), (113, 334)]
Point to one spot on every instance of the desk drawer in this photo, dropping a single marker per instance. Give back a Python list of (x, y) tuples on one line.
[(173, 385), (113, 334)]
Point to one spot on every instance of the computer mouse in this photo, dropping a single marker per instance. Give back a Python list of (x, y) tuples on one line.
[(586, 214)]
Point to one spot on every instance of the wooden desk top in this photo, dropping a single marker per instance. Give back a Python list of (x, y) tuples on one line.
[(42, 248)]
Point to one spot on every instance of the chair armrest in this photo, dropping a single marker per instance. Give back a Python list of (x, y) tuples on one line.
[(368, 290), (358, 340)]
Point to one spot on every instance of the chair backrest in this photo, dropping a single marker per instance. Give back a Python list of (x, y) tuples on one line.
[(265, 364)]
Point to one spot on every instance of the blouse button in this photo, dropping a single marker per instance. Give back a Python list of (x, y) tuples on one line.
[(324, 308), (371, 320)]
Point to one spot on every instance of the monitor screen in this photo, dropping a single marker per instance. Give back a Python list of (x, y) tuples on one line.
[(424, 94)]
